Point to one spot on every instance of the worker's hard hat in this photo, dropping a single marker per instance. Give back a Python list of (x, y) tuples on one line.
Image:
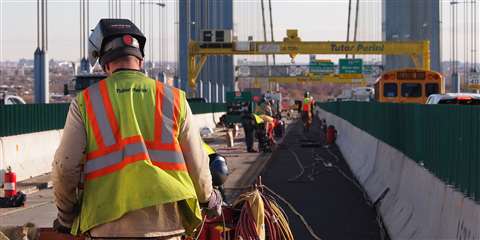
[(115, 38), (218, 169)]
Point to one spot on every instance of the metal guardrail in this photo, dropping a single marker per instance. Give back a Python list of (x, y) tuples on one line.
[(444, 139), (28, 118)]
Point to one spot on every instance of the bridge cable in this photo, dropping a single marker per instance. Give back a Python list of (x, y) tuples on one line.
[(150, 30), (271, 27), (160, 42), (472, 36), (167, 35), (38, 23), (80, 30), (465, 44), (356, 24), (176, 35), (264, 28), (46, 25), (475, 50), (348, 22)]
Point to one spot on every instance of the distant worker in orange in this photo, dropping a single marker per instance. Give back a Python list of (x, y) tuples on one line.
[(307, 111), (130, 163)]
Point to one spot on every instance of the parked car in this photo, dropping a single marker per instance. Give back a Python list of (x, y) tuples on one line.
[(454, 98), (11, 99)]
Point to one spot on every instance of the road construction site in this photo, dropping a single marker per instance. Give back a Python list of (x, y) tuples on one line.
[(322, 197)]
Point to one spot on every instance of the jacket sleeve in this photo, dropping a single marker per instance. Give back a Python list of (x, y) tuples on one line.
[(196, 158), (67, 165)]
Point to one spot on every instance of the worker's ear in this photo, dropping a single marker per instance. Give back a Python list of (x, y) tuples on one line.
[(106, 69), (141, 64)]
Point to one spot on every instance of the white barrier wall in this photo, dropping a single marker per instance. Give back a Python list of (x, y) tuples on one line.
[(207, 119), (418, 204), (31, 155)]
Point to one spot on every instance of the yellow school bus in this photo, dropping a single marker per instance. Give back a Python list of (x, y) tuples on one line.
[(408, 85)]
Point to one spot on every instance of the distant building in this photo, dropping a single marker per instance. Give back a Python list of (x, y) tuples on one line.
[(217, 74), (410, 20)]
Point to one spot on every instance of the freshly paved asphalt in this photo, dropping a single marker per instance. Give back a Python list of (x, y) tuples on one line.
[(324, 192)]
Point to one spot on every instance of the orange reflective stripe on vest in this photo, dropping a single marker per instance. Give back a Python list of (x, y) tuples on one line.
[(115, 152)]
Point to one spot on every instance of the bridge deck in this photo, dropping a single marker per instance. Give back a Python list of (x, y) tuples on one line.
[(326, 196)]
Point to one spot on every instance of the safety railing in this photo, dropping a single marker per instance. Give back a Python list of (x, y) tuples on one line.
[(445, 139), (28, 118)]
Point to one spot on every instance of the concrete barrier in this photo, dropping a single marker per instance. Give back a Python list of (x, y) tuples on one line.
[(207, 119), (31, 154), (418, 205)]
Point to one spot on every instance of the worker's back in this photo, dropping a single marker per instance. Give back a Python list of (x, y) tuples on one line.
[(132, 125), (133, 97)]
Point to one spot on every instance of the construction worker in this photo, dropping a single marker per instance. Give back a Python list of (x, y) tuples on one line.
[(249, 124), (130, 162), (307, 110), (218, 168), (263, 123)]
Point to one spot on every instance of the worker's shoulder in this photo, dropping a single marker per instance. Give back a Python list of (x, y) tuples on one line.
[(172, 88)]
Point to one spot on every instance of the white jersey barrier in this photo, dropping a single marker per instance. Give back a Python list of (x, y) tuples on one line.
[(31, 154), (418, 205)]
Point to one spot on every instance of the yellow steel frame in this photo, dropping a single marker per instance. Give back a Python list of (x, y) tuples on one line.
[(332, 78), (292, 45)]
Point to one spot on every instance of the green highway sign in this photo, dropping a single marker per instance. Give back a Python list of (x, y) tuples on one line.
[(350, 66), (322, 67)]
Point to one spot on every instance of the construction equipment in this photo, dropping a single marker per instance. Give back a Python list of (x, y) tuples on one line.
[(82, 81), (292, 45), (238, 103)]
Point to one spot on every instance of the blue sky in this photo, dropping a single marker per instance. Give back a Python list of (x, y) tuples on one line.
[(315, 19)]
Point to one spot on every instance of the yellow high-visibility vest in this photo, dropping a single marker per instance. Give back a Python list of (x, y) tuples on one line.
[(208, 149), (133, 156), (258, 119)]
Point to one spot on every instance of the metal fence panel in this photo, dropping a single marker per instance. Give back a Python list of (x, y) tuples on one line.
[(28, 118), (445, 139)]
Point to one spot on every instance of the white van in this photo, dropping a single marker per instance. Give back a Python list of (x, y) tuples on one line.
[(363, 93), (454, 98), (11, 99)]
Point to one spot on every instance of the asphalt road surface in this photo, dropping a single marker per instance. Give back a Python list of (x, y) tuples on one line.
[(39, 210), (319, 184)]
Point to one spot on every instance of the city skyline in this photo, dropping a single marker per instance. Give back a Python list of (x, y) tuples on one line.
[(18, 25)]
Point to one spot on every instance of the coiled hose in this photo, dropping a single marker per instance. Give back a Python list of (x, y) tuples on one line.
[(276, 225)]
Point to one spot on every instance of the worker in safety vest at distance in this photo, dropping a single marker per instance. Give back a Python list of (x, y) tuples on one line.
[(263, 119), (249, 123), (130, 163), (218, 168), (307, 110)]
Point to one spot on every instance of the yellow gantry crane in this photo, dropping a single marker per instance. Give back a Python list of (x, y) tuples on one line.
[(419, 51)]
